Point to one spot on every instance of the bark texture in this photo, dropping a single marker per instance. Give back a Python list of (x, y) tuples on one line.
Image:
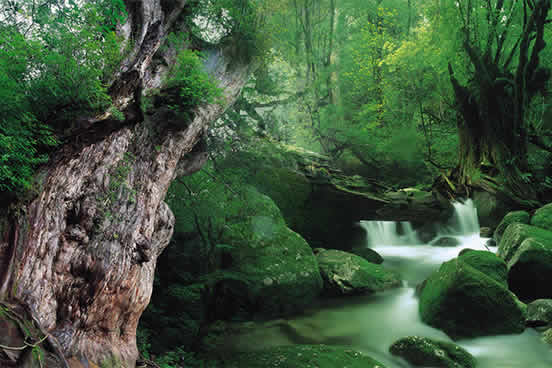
[(81, 254), (493, 124)]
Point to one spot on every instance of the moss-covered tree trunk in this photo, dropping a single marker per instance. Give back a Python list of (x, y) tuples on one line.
[(80, 253), (492, 108)]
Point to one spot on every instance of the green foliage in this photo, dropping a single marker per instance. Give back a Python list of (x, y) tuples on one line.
[(245, 24), (182, 358), (53, 64), (191, 84)]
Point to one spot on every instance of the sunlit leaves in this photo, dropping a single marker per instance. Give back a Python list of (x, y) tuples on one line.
[(55, 61)]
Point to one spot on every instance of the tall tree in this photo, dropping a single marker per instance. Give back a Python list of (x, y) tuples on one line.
[(502, 40)]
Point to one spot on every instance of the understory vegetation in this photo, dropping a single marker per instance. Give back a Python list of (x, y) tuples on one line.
[(351, 106)]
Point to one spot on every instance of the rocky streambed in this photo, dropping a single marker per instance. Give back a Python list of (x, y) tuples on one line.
[(455, 307)]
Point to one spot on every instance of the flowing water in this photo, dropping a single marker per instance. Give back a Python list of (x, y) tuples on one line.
[(372, 323)]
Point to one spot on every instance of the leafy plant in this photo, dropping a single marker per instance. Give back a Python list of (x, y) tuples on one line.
[(188, 84), (53, 67)]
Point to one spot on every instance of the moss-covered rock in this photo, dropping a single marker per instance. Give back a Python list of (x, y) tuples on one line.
[(543, 217), (530, 270), (488, 263), (521, 217), (345, 274), (422, 351), (465, 302), (485, 232), (547, 336), (539, 313), (490, 208), (515, 234), (368, 254), (274, 264), (296, 356)]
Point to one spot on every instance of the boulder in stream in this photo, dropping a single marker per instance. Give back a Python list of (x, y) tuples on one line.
[(272, 269), (521, 217), (294, 356), (464, 301), (487, 263), (539, 313), (543, 217), (547, 336), (486, 232), (348, 274), (425, 352), (368, 254), (446, 241), (530, 270), (515, 234)]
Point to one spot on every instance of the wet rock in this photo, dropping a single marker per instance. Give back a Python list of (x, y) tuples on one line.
[(543, 217), (547, 336), (487, 263), (425, 352), (485, 232), (515, 234), (348, 274), (446, 241), (426, 232), (530, 270), (273, 270), (368, 254), (539, 313), (465, 302), (295, 356), (521, 217), (490, 209)]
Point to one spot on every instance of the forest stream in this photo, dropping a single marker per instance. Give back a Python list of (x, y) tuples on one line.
[(372, 323)]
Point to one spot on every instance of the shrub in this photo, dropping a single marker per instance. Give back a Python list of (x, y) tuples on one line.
[(189, 84)]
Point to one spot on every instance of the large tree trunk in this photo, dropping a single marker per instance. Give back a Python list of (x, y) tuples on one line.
[(492, 125), (81, 254)]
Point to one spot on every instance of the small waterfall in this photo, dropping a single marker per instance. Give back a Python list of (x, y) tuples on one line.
[(465, 221), (390, 233)]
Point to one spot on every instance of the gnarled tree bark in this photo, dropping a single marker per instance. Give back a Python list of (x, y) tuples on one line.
[(81, 254), (492, 107)]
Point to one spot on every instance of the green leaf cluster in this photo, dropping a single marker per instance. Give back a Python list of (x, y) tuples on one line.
[(189, 84), (54, 66)]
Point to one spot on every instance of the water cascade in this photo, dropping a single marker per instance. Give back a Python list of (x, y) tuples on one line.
[(390, 233), (372, 323), (464, 221)]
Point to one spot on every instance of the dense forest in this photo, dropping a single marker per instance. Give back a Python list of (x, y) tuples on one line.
[(285, 183)]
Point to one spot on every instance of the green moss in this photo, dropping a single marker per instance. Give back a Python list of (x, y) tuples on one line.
[(547, 336), (488, 263), (543, 217), (289, 189), (464, 302), (277, 264), (515, 234), (530, 270), (296, 356), (346, 273), (521, 217), (421, 351), (368, 254)]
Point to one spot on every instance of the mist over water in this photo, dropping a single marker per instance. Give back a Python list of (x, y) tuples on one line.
[(372, 323)]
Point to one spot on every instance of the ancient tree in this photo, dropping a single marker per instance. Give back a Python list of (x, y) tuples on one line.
[(502, 40), (79, 252)]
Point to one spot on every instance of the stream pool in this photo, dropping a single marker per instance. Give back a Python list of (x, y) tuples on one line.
[(372, 323)]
